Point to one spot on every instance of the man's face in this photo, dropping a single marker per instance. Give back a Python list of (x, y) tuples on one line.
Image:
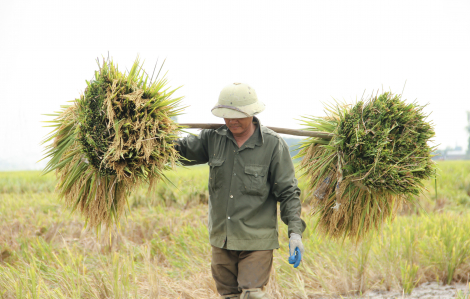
[(238, 126)]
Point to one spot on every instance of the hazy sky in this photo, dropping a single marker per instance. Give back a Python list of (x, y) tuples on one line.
[(295, 54)]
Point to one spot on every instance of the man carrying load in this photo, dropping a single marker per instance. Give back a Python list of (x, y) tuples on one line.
[(250, 171)]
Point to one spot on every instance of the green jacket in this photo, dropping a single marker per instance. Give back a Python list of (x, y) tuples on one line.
[(245, 185)]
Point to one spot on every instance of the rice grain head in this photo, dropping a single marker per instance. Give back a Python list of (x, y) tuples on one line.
[(116, 136), (376, 161)]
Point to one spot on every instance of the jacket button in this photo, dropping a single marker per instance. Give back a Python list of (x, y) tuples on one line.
[(228, 217), (231, 196)]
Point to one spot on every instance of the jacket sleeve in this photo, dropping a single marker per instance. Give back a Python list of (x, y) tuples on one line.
[(285, 189), (194, 149)]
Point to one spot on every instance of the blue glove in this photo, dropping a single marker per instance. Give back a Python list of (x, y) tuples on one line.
[(296, 248), (295, 258)]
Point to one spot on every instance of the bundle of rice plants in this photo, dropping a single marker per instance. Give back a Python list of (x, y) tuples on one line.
[(376, 161), (116, 136)]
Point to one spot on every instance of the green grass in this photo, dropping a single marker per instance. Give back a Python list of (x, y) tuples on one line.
[(26, 181), (453, 185), (162, 249)]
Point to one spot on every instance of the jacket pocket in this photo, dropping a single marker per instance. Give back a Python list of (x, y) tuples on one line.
[(256, 175), (216, 174)]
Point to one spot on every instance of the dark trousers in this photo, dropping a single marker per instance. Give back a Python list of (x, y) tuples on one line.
[(234, 271)]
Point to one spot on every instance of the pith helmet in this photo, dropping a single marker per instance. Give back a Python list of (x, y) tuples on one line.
[(237, 100)]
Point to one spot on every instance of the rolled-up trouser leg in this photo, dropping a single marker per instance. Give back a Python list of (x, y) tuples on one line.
[(254, 268), (224, 269), (254, 294), (234, 271)]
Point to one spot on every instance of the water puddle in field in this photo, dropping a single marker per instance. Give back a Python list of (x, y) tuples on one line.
[(425, 291)]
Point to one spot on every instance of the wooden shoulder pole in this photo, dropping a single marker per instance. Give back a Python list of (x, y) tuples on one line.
[(277, 130)]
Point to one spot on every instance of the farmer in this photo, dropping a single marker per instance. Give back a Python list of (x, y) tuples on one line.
[(250, 171)]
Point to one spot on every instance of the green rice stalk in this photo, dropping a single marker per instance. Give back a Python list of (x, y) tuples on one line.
[(118, 135), (376, 161)]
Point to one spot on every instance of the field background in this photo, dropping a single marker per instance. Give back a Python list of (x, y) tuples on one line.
[(161, 250)]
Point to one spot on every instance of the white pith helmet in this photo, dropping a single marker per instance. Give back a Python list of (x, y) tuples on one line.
[(237, 100)]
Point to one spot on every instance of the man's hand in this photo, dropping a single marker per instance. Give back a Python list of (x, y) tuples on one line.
[(296, 249)]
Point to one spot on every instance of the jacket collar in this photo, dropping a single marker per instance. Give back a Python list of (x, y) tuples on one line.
[(256, 139)]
